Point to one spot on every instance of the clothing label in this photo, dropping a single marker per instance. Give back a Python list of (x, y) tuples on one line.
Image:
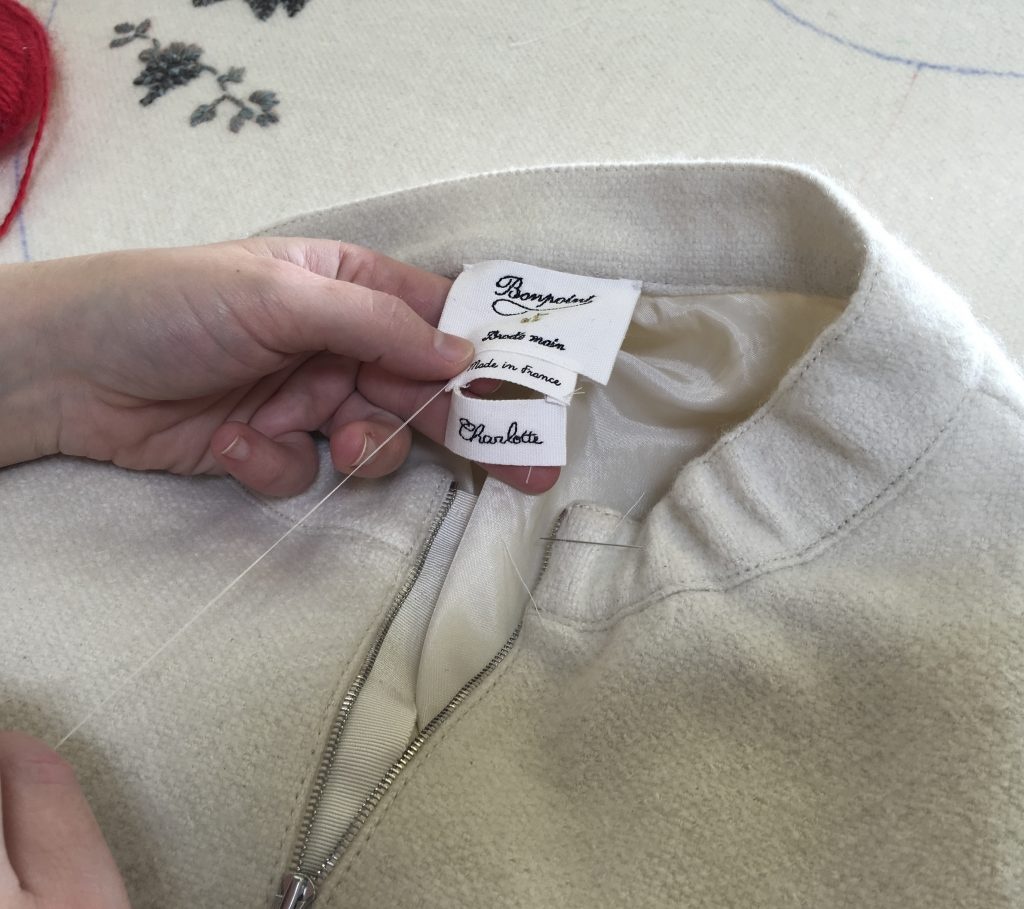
[(571, 321), (528, 433), (537, 328), (547, 378)]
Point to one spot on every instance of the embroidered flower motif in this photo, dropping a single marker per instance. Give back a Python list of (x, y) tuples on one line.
[(178, 64), (168, 67), (264, 9)]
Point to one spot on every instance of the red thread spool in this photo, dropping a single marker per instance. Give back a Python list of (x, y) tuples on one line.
[(25, 66)]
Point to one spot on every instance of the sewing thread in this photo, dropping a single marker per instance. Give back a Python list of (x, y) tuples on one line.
[(135, 673)]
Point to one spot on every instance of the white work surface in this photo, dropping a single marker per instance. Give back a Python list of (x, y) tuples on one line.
[(918, 108)]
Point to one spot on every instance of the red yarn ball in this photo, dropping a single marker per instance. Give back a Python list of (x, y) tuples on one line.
[(25, 73)]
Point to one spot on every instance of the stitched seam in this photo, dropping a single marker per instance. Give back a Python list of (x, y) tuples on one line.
[(747, 573), (773, 402), (599, 510), (433, 743), (724, 443), (330, 709)]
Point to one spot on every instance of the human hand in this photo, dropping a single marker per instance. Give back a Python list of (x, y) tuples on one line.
[(52, 854), (225, 358)]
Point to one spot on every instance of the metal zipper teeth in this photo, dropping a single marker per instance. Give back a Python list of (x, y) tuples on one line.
[(345, 708), (374, 798), (300, 885)]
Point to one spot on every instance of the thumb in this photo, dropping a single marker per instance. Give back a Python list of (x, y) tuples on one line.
[(53, 851), (368, 325)]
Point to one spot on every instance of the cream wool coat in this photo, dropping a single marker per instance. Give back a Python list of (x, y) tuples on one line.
[(805, 689)]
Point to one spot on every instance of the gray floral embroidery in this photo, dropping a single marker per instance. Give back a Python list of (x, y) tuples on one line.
[(264, 9), (175, 64)]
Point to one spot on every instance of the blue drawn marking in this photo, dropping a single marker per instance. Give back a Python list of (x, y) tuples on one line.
[(22, 231), (894, 58), (21, 217)]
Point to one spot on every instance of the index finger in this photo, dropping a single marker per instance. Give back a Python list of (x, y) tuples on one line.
[(424, 291)]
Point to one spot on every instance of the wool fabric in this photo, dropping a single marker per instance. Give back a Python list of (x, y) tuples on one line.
[(25, 79), (803, 691)]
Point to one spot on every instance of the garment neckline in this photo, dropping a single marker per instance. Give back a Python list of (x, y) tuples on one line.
[(848, 423), (860, 409)]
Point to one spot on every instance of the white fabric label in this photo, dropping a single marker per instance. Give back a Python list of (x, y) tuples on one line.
[(571, 321), (527, 433), (547, 378), (537, 328)]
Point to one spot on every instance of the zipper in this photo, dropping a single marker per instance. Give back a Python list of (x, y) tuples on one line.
[(298, 892), (298, 887), (347, 703)]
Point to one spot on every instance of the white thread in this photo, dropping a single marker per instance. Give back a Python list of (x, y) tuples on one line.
[(588, 542), (618, 523), (135, 673), (518, 573)]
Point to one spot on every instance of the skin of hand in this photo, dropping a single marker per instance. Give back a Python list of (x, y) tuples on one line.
[(225, 358), (52, 854)]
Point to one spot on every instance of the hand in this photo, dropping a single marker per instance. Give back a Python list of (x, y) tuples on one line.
[(52, 854), (225, 358)]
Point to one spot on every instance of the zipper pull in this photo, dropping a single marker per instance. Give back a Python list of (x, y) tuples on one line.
[(297, 892)]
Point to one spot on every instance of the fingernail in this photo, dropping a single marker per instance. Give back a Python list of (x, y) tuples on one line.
[(452, 347), (238, 450), (356, 461)]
